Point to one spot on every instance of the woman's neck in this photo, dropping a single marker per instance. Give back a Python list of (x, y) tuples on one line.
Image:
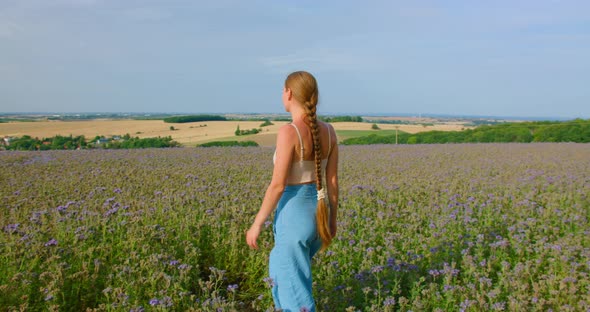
[(298, 114)]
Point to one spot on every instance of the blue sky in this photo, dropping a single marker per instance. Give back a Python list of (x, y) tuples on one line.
[(499, 58)]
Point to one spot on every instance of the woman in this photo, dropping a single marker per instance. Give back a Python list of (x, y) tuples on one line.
[(303, 223)]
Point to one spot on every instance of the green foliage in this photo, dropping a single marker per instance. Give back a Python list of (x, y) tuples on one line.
[(478, 122), (342, 119), (239, 132), (17, 120), (172, 128), (194, 118), (142, 143), (375, 127), (545, 131), (266, 123), (27, 143), (228, 143), (58, 142)]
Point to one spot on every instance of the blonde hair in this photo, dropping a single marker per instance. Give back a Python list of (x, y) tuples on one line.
[(304, 89)]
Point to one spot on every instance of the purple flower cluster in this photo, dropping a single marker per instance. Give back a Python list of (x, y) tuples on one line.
[(51, 242)]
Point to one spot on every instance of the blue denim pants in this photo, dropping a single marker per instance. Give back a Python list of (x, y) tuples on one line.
[(296, 242)]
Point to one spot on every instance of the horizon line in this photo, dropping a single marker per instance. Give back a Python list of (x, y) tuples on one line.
[(369, 114)]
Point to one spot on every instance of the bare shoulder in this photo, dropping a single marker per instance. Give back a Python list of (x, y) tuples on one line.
[(326, 125), (286, 133), (286, 129)]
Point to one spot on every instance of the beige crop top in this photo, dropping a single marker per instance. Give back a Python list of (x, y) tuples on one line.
[(303, 171)]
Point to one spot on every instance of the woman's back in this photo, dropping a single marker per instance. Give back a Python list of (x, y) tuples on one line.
[(326, 140), (303, 166)]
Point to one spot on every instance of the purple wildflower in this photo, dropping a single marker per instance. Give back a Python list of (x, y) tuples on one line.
[(499, 306), (359, 276), (51, 242), (232, 287), (111, 211), (269, 281), (154, 302), (389, 301), (11, 228)]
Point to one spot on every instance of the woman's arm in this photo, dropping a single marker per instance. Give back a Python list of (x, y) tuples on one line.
[(332, 181), (285, 148)]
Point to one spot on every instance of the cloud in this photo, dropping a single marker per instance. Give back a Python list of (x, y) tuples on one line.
[(330, 58)]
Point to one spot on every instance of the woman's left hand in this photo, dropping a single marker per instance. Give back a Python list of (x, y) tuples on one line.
[(252, 235)]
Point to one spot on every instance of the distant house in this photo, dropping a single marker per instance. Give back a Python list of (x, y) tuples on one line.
[(6, 141), (102, 141)]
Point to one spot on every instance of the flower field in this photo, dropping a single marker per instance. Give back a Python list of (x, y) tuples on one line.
[(465, 227)]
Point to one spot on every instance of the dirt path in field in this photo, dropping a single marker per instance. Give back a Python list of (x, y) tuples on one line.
[(188, 134)]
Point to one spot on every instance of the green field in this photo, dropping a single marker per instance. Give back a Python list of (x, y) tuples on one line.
[(346, 134)]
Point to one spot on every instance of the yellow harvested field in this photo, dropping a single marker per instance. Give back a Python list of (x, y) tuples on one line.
[(188, 134)]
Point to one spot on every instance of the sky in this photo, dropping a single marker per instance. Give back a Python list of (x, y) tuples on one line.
[(511, 58)]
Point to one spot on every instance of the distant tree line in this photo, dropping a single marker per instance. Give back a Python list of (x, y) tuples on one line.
[(341, 119), (228, 143), (58, 142), (3, 120), (523, 132), (136, 142), (239, 132), (266, 123), (391, 122), (484, 122), (194, 118), (28, 143)]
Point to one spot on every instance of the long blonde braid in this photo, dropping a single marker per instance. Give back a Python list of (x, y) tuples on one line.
[(322, 213), (305, 90)]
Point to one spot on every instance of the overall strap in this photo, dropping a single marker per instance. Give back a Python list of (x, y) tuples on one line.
[(329, 141), (300, 140)]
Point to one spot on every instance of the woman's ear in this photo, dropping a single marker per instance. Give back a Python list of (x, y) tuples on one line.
[(289, 93)]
